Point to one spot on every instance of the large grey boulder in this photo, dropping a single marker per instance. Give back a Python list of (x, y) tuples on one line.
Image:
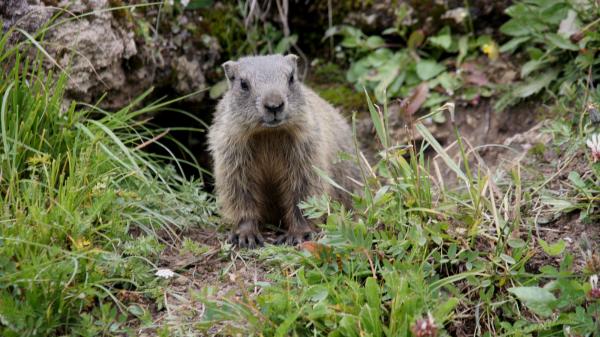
[(105, 59)]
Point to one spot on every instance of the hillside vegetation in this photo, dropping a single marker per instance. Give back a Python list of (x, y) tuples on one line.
[(104, 231)]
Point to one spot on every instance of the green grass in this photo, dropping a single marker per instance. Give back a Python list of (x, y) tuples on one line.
[(84, 212), (417, 245)]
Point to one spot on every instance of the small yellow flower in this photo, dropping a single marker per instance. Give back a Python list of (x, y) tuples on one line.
[(491, 50)]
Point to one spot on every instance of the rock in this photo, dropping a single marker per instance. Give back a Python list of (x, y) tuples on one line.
[(105, 58), (21, 14), (189, 77)]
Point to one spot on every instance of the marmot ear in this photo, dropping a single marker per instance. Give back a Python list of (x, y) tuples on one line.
[(292, 59), (230, 68)]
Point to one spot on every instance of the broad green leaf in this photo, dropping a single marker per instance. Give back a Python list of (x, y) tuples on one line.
[(536, 84), (385, 76), (428, 69), (515, 27), (349, 326), (554, 13), (558, 205), (508, 259), (284, 327), (575, 178), (535, 53), (319, 311), (370, 319), (372, 293), (389, 31), (554, 249), (561, 42), (538, 300), (463, 48), (444, 41), (516, 243), (531, 66), (136, 310), (374, 42), (513, 44), (285, 44), (317, 293), (449, 82), (353, 37), (517, 10)]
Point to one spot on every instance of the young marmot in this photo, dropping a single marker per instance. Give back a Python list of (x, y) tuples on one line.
[(268, 135)]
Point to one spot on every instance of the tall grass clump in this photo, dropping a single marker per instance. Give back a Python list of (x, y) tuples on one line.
[(84, 211)]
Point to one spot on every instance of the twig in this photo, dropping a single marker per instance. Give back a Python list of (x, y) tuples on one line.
[(370, 262), (152, 140)]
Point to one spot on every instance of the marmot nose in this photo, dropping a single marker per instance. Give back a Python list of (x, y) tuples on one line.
[(274, 108)]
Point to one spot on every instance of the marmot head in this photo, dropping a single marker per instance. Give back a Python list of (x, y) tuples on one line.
[(264, 91)]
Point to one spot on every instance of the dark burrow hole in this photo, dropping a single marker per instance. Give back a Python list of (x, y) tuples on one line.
[(187, 146)]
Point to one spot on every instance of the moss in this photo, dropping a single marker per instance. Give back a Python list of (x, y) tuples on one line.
[(537, 150), (328, 73), (341, 96), (329, 81)]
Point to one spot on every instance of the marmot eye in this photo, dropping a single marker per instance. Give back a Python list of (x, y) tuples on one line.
[(292, 78), (244, 85)]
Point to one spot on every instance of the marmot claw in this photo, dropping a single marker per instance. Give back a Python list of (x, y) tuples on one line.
[(246, 236), (294, 238)]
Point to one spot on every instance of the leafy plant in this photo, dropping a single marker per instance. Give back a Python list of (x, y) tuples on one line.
[(395, 72), (561, 41)]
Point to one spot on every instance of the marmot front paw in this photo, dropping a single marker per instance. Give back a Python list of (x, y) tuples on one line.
[(294, 238), (246, 235)]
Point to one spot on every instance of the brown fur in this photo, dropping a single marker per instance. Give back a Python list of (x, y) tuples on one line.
[(261, 174)]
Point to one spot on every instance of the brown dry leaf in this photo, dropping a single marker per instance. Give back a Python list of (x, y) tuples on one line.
[(507, 77), (473, 75), (318, 250), (416, 99)]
